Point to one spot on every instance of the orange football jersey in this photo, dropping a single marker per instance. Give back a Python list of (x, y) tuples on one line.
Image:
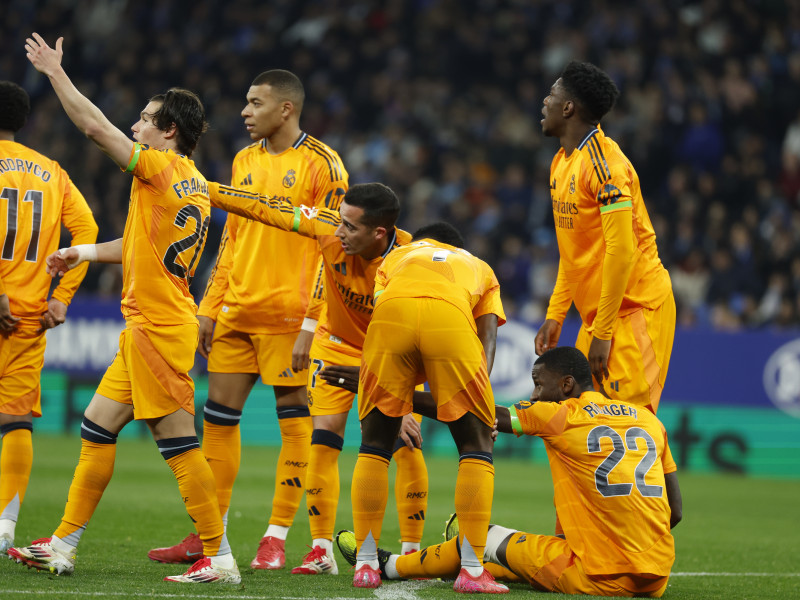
[(593, 182), (36, 197), (349, 279), (431, 269), (608, 460), (263, 276), (164, 236)]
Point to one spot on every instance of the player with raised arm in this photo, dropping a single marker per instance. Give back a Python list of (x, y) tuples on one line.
[(255, 303), (149, 377), (609, 265), (616, 493), (354, 241), (38, 197)]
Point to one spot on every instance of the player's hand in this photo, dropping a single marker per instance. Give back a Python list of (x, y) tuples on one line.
[(598, 359), (343, 377), (205, 336), (410, 433), (495, 431), (8, 322), (301, 350), (44, 58), (54, 316), (61, 261), (547, 336)]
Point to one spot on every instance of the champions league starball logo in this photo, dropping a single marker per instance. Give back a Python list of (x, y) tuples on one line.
[(782, 378)]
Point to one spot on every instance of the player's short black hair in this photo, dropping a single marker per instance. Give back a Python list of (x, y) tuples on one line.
[(185, 110), (286, 86), (15, 106), (380, 204), (566, 360), (591, 88), (440, 231)]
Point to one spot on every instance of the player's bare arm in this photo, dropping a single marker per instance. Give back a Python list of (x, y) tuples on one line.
[(674, 498), (487, 333), (85, 115), (61, 261)]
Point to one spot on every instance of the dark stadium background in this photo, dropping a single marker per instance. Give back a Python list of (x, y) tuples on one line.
[(441, 100)]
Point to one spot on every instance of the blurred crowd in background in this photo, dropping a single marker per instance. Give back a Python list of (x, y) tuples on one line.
[(441, 100)]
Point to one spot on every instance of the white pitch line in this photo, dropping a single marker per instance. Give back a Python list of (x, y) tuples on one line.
[(401, 590), (735, 575)]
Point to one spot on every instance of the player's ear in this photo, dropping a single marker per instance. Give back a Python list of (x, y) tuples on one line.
[(567, 385), (287, 108), (380, 233), (569, 109), (171, 131)]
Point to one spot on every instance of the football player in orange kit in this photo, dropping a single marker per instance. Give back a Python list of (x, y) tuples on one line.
[(436, 315), (616, 493), (149, 379), (354, 241), (39, 197), (255, 303), (609, 265)]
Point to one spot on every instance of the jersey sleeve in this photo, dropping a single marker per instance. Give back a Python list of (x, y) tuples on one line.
[(217, 284), (147, 165), (560, 299), (610, 183), (617, 266), (531, 418), (77, 218), (667, 462), (277, 212), (316, 301), (489, 302)]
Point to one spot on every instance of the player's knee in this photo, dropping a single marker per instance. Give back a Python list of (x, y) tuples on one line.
[(92, 432)]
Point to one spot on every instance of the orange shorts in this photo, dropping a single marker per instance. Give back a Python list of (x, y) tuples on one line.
[(151, 369), (549, 565), (269, 355), (325, 399), (410, 340), (641, 346), (21, 360)]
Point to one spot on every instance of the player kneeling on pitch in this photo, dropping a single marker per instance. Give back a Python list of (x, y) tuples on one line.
[(616, 494)]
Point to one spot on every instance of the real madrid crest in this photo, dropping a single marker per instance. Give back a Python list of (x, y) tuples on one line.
[(289, 178)]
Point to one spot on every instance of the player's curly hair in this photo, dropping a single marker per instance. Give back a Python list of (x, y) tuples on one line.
[(184, 109), (591, 88), (285, 85), (380, 204), (15, 106), (441, 231), (566, 360)]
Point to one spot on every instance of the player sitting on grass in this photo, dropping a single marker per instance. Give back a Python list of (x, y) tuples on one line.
[(616, 494)]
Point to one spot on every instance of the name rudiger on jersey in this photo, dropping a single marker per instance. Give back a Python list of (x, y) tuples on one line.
[(782, 378)]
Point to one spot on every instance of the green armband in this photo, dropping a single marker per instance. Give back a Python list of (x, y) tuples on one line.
[(616, 206), (516, 426), (137, 149), (296, 222)]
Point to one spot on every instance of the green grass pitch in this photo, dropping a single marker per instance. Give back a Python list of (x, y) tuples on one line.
[(739, 539)]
